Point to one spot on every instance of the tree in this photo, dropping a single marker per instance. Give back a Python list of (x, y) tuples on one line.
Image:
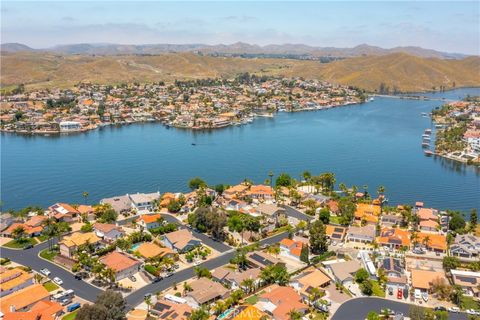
[(174, 206), (295, 315), (367, 288), (199, 314), (202, 272), (306, 175), (87, 227), (109, 305), (473, 219), (235, 223), (416, 312), (270, 174), (248, 285), (19, 233), (457, 222), (85, 196), (318, 237), (284, 180), (372, 315), (450, 263), (457, 295), (304, 254), (275, 274), (361, 275), (347, 210), (324, 215), (219, 188), (196, 183)]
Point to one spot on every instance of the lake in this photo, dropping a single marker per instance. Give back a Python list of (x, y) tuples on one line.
[(376, 143)]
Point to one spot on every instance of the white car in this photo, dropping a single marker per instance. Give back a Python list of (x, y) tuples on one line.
[(471, 311), (454, 309), (45, 272), (58, 281)]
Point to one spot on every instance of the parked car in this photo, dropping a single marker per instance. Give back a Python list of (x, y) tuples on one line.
[(440, 308), (64, 302), (73, 307), (472, 312), (169, 274), (78, 277), (28, 246), (45, 272), (148, 295), (58, 281), (157, 279), (132, 278), (454, 309)]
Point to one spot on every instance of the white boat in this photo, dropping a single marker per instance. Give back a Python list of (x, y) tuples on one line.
[(425, 296), (424, 114), (425, 136), (371, 99)]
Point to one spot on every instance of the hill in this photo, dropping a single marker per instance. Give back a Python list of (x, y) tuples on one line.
[(237, 48), (401, 71)]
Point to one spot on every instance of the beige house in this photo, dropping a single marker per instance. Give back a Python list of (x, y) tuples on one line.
[(69, 244)]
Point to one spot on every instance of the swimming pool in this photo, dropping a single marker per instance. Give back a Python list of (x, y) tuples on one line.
[(135, 246)]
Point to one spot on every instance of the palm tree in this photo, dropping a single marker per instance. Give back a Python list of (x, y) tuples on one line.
[(85, 196), (19, 233), (270, 174), (306, 175), (414, 238), (426, 241), (248, 284), (295, 315)]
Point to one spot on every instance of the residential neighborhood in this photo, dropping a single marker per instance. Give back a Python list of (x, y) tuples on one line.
[(284, 249)]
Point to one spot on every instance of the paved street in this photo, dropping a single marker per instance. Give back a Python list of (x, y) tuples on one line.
[(88, 292), (357, 309), (294, 213)]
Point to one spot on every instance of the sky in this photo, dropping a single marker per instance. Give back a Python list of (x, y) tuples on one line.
[(450, 26)]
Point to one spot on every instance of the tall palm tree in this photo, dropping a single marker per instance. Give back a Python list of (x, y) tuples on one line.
[(270, 175), (85, 196), (19, 233), (414, 238), (248, 284), (426, 241)]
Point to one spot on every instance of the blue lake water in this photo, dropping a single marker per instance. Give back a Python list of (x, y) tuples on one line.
[(377, 143)]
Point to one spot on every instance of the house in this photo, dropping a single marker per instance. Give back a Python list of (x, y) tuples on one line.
[(344, 271), (168, 309), (235, 191), (69, 244), (469, 281), (249, 312), (260, 192), (108, 232), (394, 238), (87, 212), (432, 242), (121, 204), (335, 233), (63, 212), (310, 279), (36, 221), (234, 279), (333, 207), (367, 212), (422, 280), (271, 212), (204, 291), (291, 248), (390, 220), (12, 280), (144, 202), (29, 231), (42, 310), (150, 221), (6, 219), (278, 301), (395, 273), (259, 259), (123, 265), (24, 299), (364, 234), (180, 241), (149, 250), (428, 219), (466, 245)]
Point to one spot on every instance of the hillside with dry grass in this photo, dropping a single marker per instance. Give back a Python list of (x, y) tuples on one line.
[(401, 71)]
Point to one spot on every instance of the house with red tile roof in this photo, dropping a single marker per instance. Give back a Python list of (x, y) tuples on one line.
[(63, 212), (123, 265), (278, 301), (150, 221), (291, 248), (42, 310), (29, 230), (394, 238), (24, 299)]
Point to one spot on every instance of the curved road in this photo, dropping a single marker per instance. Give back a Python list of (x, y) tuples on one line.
[(88, 292), (358, 308)]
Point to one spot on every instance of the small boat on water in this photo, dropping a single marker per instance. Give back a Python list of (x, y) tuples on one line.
[(428, 131), (371, 99), (425, 139), (194, 144), (439, 126), (425, 145), (428, 153), (425, 136), (424, 114)]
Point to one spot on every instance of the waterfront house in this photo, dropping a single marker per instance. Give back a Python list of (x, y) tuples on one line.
[(432, 242), (24, 299), (278, 301), (394, 238), (6, 219), (121, 204), (150, 221), (15, 279), (69, 244), (180, 241), (364, 234), (390, 220), (123, 265), (63, 212), (466, 245), (205, 291), (332, 205), (29, 230), (108, 232), (469, 281), (311, 278), (367, 212), (428, 219), (144, 202), (260, 192)]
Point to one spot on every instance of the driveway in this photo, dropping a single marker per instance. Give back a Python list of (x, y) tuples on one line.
[(294, 213), (357, 309)]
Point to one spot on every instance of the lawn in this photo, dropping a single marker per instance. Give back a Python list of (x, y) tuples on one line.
[(469, 303), (14, 244), (50, 286), (47, 254), (70, 316), (334, 220), (42, 238), (377, 289), (252, 299)]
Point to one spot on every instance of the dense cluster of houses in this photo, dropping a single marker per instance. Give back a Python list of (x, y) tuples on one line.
[(189, 105)]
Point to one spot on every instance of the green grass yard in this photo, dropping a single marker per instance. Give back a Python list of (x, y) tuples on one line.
[(14, 244), (469, 303), (70, 316), (47, 254), (50, 286), (377, 289)]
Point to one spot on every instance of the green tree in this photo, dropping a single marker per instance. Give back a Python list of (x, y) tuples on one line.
[(324, 215), (306, 175), (85, 196), (19, 233), (304, 254), (235, 224), (318, 237), (109, 305), (199, 314), (275, 274), (201, 272), (196, 183), (372, 315), (87, 227), (361, 275), (450, 263), (473, 219), (295, 314), (457, 222), (347, 210), (284, 180), (416, 312), (366, 287)]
